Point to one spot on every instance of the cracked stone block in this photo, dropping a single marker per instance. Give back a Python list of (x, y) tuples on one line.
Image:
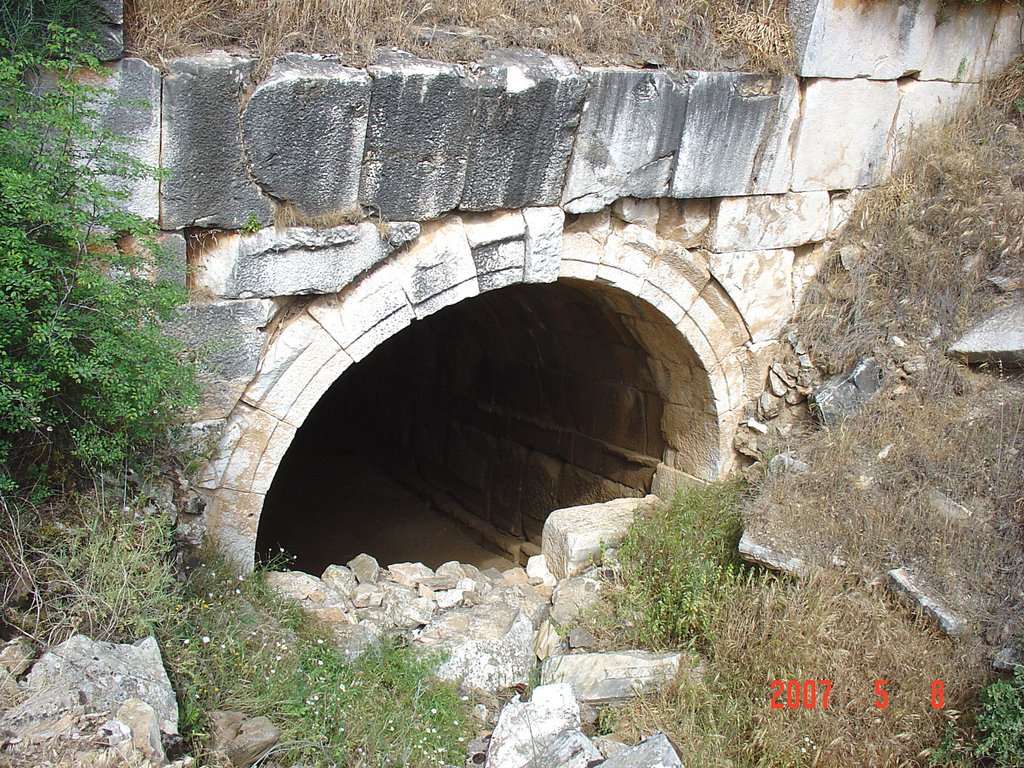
[(519, 150), (907, 584), (882, 41), (298, 260), (417, 138), (209, 184), (760, 284), (575, 537), (756, 222), (304, 129), (736, 140), (835, 152), (627, 140), (544, 731), (960, 43), (611, 678)]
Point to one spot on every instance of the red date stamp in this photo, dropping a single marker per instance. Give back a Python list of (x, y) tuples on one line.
[(813, 694)]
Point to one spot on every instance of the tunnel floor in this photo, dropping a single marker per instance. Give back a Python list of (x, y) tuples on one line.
[(344, 505)]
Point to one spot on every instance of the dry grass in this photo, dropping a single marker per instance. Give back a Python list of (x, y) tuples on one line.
[(683, 33), (830, 627)]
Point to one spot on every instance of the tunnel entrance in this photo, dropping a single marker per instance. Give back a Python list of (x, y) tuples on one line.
[(458, 436)]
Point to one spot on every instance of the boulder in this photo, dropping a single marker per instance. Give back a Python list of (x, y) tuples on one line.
[(573, 598), (365, 568), (519, 149), (575, 537), (835, 152), (737, 136), (543, 732), (313, 595), (99, 677), (409, 574), (243, 741), (843, 395), (997, 341), (611, 678), (488, 647), (17, 654), (341, 579), (537, 568), (627, 139), (654, 752), (297, 260), (417, 137), (304, 129), (208, 182)]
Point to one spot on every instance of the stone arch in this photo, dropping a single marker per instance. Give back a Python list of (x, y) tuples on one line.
[(696, 340)]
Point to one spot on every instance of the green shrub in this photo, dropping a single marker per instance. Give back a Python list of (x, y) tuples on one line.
[(679, 564), (1000, 722), (87, 376), (24, 24)]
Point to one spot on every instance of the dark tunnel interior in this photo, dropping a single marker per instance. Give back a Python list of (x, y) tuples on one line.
[(498, 409)]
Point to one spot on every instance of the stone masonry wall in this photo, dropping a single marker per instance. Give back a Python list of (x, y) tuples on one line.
[(709, 198)]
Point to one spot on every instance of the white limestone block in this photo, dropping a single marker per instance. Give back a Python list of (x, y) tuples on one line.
[(574, 537), (611, 678), (770, 221), (761, 286)]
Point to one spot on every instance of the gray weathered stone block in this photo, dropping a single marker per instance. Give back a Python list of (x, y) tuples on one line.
[(131, 110), (611, 678), (417, 137), (296, 261), (655, 752), (628, 137), (737, 135), (998, 340), (209, 184), (529, 108), (304, 129)]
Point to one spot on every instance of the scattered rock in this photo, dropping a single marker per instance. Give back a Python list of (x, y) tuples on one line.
[(16, 655), (906, 584), (367, 596), (537, 568), (353, 640), (1008, 658), (608, 746), (341, 579), (573, 598), (581, 639), (843, 395), (142, 722), (611, 678), (527, 599), (366, 569), (998, 340), (786, 463), (655, 752), (242, 740), (543, 732), (409, 574), (945, 506)]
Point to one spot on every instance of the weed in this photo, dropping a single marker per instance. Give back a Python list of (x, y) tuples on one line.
[(1001, 722), (252, 224)]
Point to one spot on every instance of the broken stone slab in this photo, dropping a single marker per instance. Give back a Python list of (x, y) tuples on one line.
[(760, 554), (228, 339), (530, 105), (304, 129), (488, 647), (99, 676), (312, 595), (524, 598), (575, 537), (945, 506), (654, 752), (627, 139), (905, 583), (737, 135), (998, 340), (834, 152), (756, 222), (843, 395), (409, 574), (417, 137), (573, 598), (611, 678), (543, 732), (208, 182), (297, 260), (882, 41)]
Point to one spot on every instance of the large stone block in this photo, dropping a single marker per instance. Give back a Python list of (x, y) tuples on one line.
[(209, 184), (997, 341), (760, 284), (574, 537), (438, 269), (228, 337), (736, 140), (770, 221), (960, 42), (880, 40), (298, 260), (926, 102), (417, 137), (543, 244), (304, 129), (628, 138), (529, 108), (611, 678), (129, 108), (1006, 38), (835, 150)]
